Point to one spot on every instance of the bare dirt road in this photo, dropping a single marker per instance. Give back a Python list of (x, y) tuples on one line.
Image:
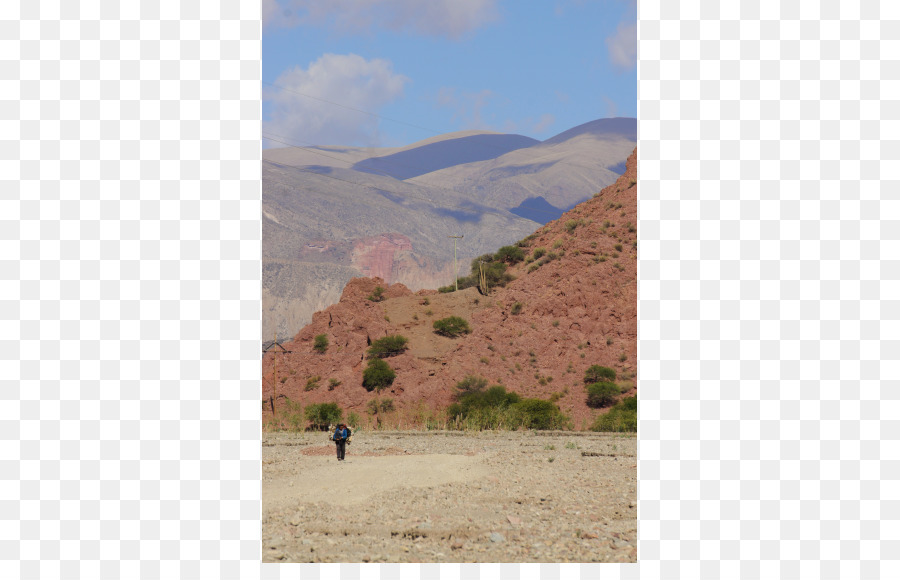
[(450, 497)]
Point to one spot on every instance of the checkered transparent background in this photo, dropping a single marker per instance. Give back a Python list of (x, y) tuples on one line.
[(130, 294)]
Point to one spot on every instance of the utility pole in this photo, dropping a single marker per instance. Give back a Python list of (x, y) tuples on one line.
[(455, 268), (274, 374), (275, 367)]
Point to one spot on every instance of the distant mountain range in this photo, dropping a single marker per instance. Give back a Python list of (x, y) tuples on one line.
[(334, 213)]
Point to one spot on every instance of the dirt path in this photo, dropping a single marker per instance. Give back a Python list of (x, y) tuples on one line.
[(362, 478), (448, 497)]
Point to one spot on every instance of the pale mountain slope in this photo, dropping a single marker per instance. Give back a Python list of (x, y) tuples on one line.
[(563, 170), (325, 222)]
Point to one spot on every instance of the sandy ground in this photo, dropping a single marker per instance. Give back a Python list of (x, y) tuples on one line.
[(450, 497)]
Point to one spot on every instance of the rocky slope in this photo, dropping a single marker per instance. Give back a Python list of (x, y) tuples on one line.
[(575, 310), (322, 206)]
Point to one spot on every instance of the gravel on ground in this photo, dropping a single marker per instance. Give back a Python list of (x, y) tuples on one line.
[(447, 496)]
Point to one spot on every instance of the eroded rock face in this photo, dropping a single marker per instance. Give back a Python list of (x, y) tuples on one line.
[(573, 311), (374, 256)]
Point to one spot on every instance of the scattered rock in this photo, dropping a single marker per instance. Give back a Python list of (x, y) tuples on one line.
[(477, 521)]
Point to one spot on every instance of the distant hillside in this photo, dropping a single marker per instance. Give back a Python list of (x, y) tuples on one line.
[(563, 170), (537, 209), (443, 154), (609, 129), (333, 213), (573, 304)]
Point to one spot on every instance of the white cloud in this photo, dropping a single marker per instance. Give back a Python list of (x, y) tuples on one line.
[(279, 13), (622, 45), (270, 10), (324, 104), (450, 18)]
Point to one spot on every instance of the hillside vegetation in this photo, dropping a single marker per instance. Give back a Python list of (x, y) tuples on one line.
[(541, 336)]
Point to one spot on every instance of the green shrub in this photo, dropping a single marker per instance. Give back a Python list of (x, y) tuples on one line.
[(378, 375), (292, 412), (494, 274), (322, 415), (602, 394), (385, 405), (353, 420), (516, 308), (469, 384), (451, 326), (377, 295), (333, 384), (391, 345), (597, 373), (321, 343), (510, 255), (621, 417), (312, 383), (538, 252), (540, 414), (618, 247), (484, 409)]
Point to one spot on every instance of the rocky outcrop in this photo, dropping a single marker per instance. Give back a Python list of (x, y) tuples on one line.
[(374, 256)]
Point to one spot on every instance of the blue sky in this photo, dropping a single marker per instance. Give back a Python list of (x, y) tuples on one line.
[(425, 67)]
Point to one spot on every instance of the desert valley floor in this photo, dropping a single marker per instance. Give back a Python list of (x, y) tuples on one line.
[(438, 496)]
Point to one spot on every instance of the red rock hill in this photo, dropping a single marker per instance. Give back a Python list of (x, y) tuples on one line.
[(576, 310)]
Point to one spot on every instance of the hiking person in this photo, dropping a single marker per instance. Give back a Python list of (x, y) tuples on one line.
[(340, 436)]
